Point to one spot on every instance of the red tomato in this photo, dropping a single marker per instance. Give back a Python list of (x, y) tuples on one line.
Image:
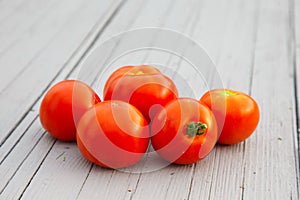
[(62, 107), (240, 117), (184, 132), (143, 86), (113, 134)]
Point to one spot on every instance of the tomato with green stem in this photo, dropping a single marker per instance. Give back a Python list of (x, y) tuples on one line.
[(240, 118), (184, 131)]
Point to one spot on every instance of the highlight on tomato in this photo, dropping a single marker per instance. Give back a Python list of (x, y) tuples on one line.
[(240, 118), (143, 86), (113, 134), (63, 105), (184, 132)]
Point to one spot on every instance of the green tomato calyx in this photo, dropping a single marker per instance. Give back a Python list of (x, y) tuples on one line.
[(196, 128)]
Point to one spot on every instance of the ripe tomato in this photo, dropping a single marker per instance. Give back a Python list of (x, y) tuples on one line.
[(240, 117), (113, 134), (143, 86), (62, 107), (184, 132)]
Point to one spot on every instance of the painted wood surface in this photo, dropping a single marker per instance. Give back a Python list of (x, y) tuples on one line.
[(254, 44)]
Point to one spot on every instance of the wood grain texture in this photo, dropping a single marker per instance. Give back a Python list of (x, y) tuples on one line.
[(8, 8), (26, 38), (135, 186), (22, 92), (235, 39), (17, 167), (272, 169), (295, 23), (255, 45)]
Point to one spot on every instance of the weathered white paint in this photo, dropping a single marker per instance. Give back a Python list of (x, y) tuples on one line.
[(48, 63), (251, 42), (271, 167)]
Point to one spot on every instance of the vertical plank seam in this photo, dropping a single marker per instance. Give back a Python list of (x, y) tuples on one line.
[(135, 188), (169, 60), (85, 179), (194, 23), (31, 26), (35, 102), (118, 42), (17, 125), (40, 51), (55, 77), (36, 171), (255, 32), (25, 158), (192, 180), (16, 8), (256, 20), (212, 177), (96, 37), (171, 6), (292, 47), (46, 45), (19, 139)]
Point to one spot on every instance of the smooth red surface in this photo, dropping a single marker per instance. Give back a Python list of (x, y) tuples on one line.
[(63, 105), (240, 117), (143, 86), (114, 134), (169, 131)]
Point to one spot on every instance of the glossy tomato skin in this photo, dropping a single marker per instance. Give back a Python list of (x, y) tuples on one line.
[(240, 117), (62, 107), (169, 131), (143, 86), (113, 134)]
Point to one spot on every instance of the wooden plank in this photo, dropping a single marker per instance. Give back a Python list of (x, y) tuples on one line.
[(8, 8), (296, 25), (221, 175), (23, 161), (91, 181), (228, 193), (13, 66), (8, 76), (18, 134), (35, 185), (170, 180), (272, 169), (174, 181), (171, 183), (16, 181), (17, 156), (27, 40), (236, 44), (141, 189), (15, 29), (23, 92)]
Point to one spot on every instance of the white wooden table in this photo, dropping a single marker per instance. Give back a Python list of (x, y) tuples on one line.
[(255, 45)]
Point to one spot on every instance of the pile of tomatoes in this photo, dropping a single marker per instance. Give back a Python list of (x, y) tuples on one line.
[(141, 107)]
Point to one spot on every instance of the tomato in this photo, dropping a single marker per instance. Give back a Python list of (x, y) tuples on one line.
[(113, 134), (184, 132), (143, 86), (238, 120), (62, 107)]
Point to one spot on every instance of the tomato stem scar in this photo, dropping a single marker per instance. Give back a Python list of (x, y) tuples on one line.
[(196, 128), (229, 93), (140, 72)]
